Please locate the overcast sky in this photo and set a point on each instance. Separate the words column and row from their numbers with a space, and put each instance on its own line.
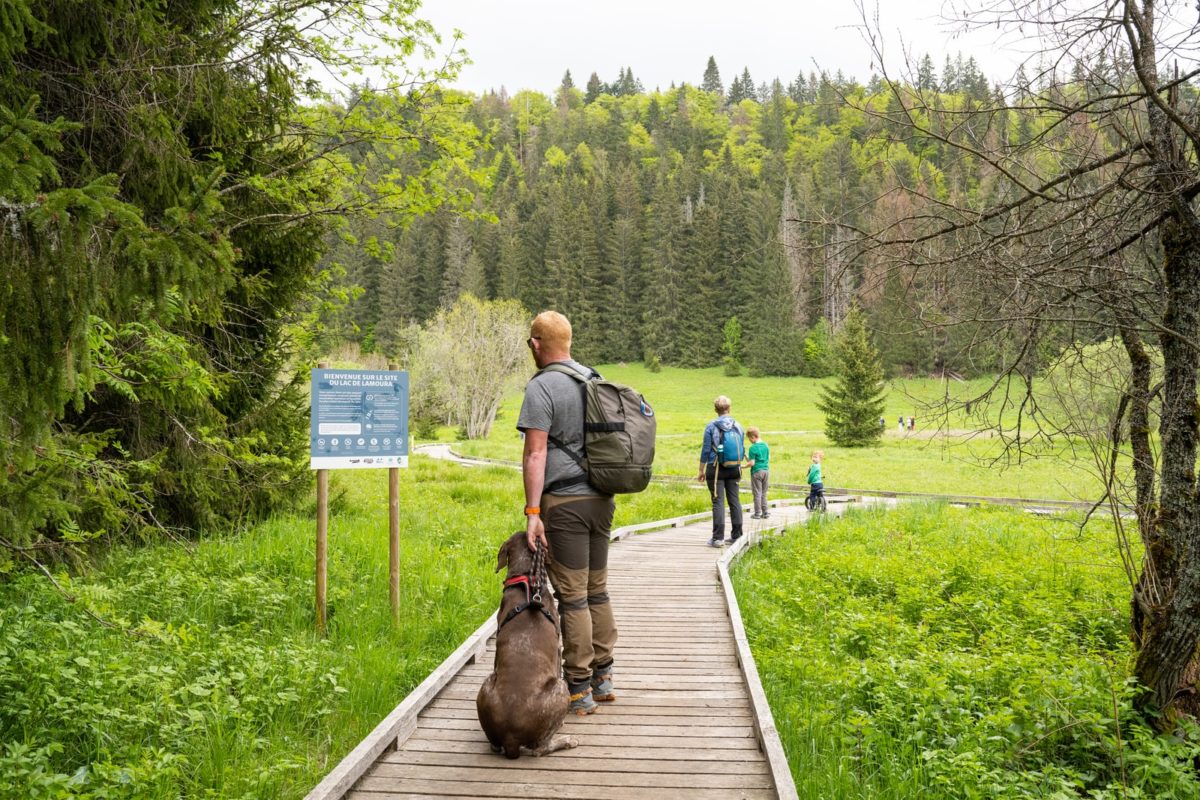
column 528, row 44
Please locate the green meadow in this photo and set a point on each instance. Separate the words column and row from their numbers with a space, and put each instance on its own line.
column 961, row 461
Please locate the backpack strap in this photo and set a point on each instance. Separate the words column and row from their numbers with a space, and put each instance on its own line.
column 558, row 366
column 580, row 458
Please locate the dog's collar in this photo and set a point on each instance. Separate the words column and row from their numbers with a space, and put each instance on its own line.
column 517, row 580
column 529, row 603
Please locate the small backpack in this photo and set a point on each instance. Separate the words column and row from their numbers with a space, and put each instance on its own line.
column 618, row 436
column 729, row 447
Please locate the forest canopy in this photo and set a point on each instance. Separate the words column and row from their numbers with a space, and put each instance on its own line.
column 652, row 218
column 170, row 174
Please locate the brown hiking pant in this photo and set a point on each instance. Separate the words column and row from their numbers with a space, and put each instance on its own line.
column 578, row 533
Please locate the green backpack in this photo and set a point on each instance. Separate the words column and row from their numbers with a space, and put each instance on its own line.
column 618, row 436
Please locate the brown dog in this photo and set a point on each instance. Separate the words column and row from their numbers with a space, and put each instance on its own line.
column 523, row 703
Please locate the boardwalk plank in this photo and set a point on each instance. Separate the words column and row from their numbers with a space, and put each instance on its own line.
column 575, row 777
column 613, row 712
column 597, row 726
column 622, row 752
column 645, row 698
column 600, row 735
column 618, row 709
column 491, row 761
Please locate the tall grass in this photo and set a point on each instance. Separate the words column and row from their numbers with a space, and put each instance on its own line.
column 936, row 652
column 220, row 687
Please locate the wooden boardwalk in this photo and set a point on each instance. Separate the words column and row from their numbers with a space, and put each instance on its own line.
column 689, row 721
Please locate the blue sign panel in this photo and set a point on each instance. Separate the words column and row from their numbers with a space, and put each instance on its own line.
column 359, row 419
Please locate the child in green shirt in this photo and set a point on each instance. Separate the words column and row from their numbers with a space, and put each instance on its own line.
column 757, row 459
column 816, row 484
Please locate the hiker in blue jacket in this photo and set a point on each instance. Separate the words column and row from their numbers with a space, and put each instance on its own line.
column 721, row 466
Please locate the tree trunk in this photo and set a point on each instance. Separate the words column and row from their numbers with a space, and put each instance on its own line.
column 1139, row 425
column 1145, row 592
column 1170, row 629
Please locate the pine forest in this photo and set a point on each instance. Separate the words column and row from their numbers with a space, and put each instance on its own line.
column 652, row 218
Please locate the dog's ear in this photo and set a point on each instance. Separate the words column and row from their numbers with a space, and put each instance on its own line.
column 502, row 555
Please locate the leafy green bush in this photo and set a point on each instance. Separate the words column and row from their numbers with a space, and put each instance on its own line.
column 935, row 652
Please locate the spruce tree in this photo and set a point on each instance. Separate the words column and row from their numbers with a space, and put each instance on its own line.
column 653, row 114
column 772, row 125
column 712, row 78
column 617, row 87
column 595, row 88
column 706, row 289
column 664, row 264
column 950, row 75
column 511, row 272
column 748, row 85
column 624, row 251
column 854, row 404
column 927, row 75
column 798, row 90
column 632, row 85
column 773, row 344
column 737, row 92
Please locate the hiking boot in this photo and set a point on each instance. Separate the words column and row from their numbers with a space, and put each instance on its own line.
column 602, row 685
column 582, row 703
column 716, row 542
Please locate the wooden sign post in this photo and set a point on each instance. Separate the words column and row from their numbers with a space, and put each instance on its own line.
column 394, row 537
column 322, row 537
column 322, row 544
column 359, row 420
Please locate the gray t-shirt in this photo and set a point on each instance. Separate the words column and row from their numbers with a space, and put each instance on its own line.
column 554, row 403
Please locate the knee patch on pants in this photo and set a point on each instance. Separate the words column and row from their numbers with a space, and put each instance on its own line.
column 578, row 604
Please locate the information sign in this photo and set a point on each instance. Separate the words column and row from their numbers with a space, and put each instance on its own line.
column 359, row 419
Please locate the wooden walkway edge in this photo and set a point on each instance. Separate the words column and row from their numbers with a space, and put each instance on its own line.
column 685, row 724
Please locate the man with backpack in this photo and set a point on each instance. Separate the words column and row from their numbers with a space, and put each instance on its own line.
column 562, row 506
column 721, row 466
